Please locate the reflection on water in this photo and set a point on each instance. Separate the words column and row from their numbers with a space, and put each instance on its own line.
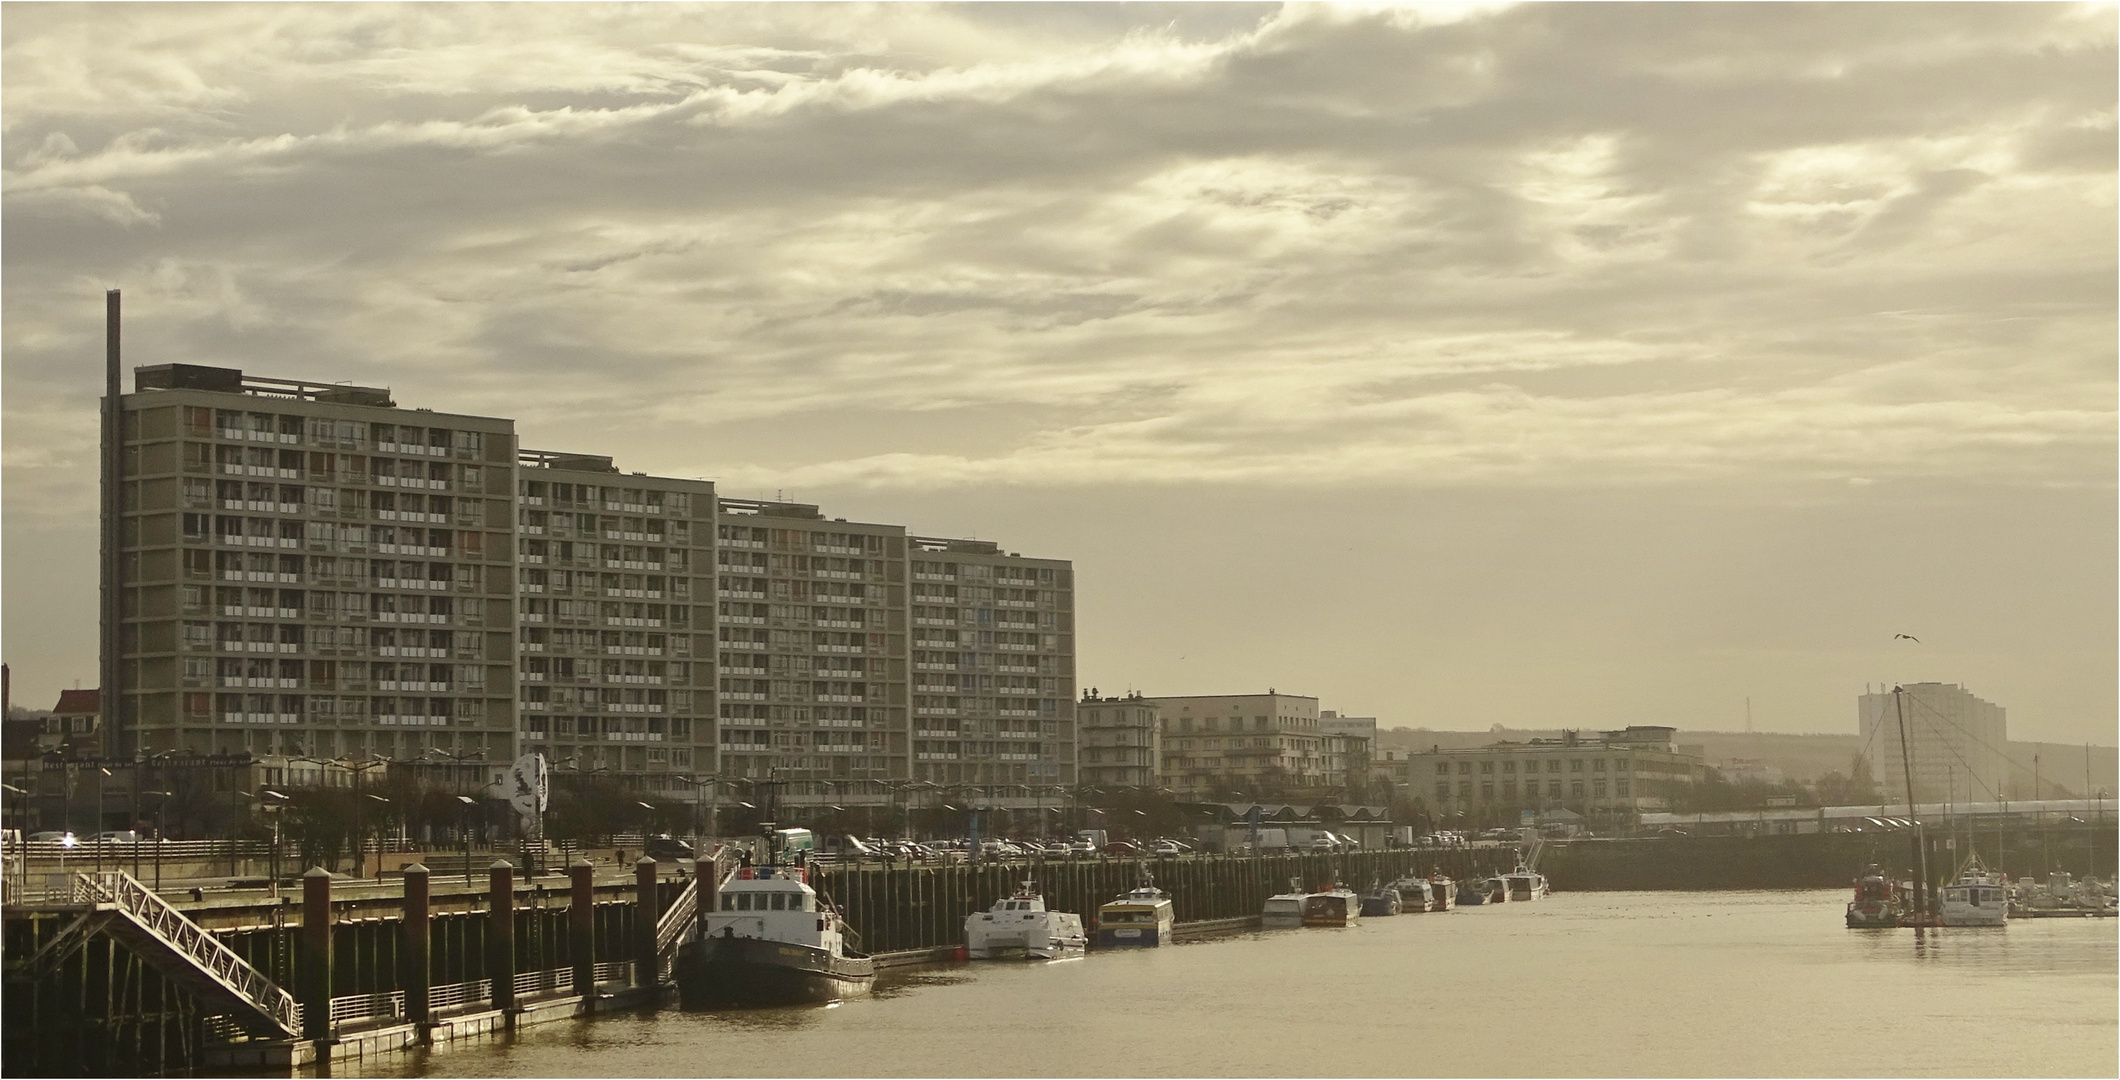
column 1613, row 984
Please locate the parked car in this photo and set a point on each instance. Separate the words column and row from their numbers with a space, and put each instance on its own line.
column 1121, row 847
column 1165, row 847
column 52, row 837
column 118, row 836
column 666, row 848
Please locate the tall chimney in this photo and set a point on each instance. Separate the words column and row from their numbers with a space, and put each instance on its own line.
column 118, row 733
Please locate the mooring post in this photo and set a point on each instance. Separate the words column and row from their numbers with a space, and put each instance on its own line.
column 581, row 929
column 646, row 964
column 500, row 935
column 415, row 972
column 316, row 955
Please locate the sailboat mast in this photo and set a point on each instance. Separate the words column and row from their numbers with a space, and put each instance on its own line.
column 1906, row 765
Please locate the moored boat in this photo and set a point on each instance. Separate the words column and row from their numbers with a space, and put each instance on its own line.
column 1877, row 901
column 1284, row 911
column 1381, row 900
column 1141, row 918
column 1021, row 926
column 1337, row 906
column 1525, row 883
column 1413, row 895
column 1442, row 892
column 1977, row 898
column 770, row 942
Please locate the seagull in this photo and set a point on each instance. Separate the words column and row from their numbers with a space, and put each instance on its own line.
column 1909, row 637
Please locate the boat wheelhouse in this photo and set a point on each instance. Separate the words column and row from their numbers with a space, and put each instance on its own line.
column 1525, row 883
column 1337, row 906
column 1977, row 898
column 1877, row 901
column 1284, row 911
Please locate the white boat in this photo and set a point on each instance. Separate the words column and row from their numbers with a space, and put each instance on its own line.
column 1284, row 911
column 770, row 942
column 1337, row 906
column 1414, row 895
column 1525, row 884
column 1020, row 926
column 1977, row 898
column 1142, row 918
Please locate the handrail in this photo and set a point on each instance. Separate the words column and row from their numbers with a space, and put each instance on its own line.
column 676, row 923
column 167, row 925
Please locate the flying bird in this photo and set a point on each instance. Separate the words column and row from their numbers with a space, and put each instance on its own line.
column 1909, row 637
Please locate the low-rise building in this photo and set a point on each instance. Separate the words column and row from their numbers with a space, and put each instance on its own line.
column 1624, row 772
column 1120, row 742
column 1268, row 745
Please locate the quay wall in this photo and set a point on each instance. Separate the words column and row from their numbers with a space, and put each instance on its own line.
column 900, row 907
column 1819, row 860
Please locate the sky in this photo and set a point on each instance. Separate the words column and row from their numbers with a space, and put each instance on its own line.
column 1462, row 365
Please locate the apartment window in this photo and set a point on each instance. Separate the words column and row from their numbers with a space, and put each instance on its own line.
column 1575, row 764
column 1486, row 766
column 1553, row 765
column 1442, row 768
column 1598, row 765
column 1622, row 785
column 1464, row 768
column 1599, row 789
column 1508, row 766
column 1575, row 788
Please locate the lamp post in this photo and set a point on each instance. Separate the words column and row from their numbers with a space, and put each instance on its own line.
column 463, row 828
column 161, row 803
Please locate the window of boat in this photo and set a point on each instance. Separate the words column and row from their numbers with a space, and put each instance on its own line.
column 743, row 901
column 780, row 901
column 728, row 901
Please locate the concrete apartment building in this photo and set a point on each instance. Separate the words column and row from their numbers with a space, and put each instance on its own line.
column 615, row 626
column 1619, row 772
column 1956, row 742
column 306, row 569
column 1119, row 741
column 1215, row 745
column 994, row 666
column 309, row 570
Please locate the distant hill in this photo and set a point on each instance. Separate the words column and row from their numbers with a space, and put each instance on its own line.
column 1807, row 757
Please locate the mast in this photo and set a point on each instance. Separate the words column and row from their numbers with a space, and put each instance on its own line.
column 1906, row 765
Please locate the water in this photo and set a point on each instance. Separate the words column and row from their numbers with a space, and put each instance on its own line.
column 1589, row 984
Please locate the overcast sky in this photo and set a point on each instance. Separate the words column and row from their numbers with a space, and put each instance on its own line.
column 1573, row 365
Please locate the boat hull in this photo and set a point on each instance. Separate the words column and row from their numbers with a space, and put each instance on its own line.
column 1374, row 907
column 1129, row 937
column 726, row 971
column 1883, row 916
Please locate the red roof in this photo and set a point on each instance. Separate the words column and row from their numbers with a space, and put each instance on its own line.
column 79, row 703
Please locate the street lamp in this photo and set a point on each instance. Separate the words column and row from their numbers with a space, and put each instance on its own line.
column 161, row 804
column 464, row 830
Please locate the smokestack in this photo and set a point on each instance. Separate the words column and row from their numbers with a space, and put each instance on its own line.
column 118, row 732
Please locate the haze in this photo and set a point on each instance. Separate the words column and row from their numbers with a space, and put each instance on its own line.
column 1548, row 366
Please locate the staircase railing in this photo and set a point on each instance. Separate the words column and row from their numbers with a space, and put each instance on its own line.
column 674, row 925
column 188, row 939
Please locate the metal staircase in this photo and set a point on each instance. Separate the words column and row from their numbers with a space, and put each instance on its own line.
column 180, row 949
column 675, row 927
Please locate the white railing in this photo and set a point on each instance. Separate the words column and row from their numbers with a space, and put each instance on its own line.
column 166, row 924
column 672, row 928
column 451, row 995
column 354, row 1008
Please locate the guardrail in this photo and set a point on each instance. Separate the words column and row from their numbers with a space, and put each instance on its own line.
column 355, row 1008
column 454, row 995
column 156, row 918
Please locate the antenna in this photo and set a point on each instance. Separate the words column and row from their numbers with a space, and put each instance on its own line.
column 1748, row 716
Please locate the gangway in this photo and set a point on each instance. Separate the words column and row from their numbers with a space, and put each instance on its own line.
column 182, row 950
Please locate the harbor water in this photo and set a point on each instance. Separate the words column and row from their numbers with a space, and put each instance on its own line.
column 1598, row 984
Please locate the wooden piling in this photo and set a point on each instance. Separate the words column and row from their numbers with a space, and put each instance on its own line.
column 500, row 934
column 415, row 973
column 316, row 955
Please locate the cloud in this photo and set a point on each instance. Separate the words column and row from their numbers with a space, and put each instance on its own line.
column 1302, row 245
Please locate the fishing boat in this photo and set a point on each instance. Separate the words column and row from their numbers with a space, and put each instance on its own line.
column 1381, row 900
column 1284, row 911
column 1525, row 883
column 1495, row 889
column 1141, row 918
column 1337, row 906
column 770, row 942
column 1021, row 926
column 1877, row 901
column 1413, row 894
column 1469, row 894
column 1442, row 892
column 1977, row 898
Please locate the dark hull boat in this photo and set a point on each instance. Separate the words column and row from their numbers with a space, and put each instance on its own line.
column 727, row 970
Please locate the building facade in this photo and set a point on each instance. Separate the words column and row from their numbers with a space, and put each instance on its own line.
column 1218, row 746
column 1619, row 772
column 1955, row 741
column 309, row 570
column 615, row 617
column 1119, row 741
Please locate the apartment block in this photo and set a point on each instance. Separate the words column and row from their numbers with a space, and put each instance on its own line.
column 1955, row 742
column 1219, row 745
column 994, row 665
column 615, row 616
column 1119, row 741
column 307, row 569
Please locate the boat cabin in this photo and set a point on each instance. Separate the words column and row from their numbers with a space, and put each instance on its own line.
column 774, row 903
